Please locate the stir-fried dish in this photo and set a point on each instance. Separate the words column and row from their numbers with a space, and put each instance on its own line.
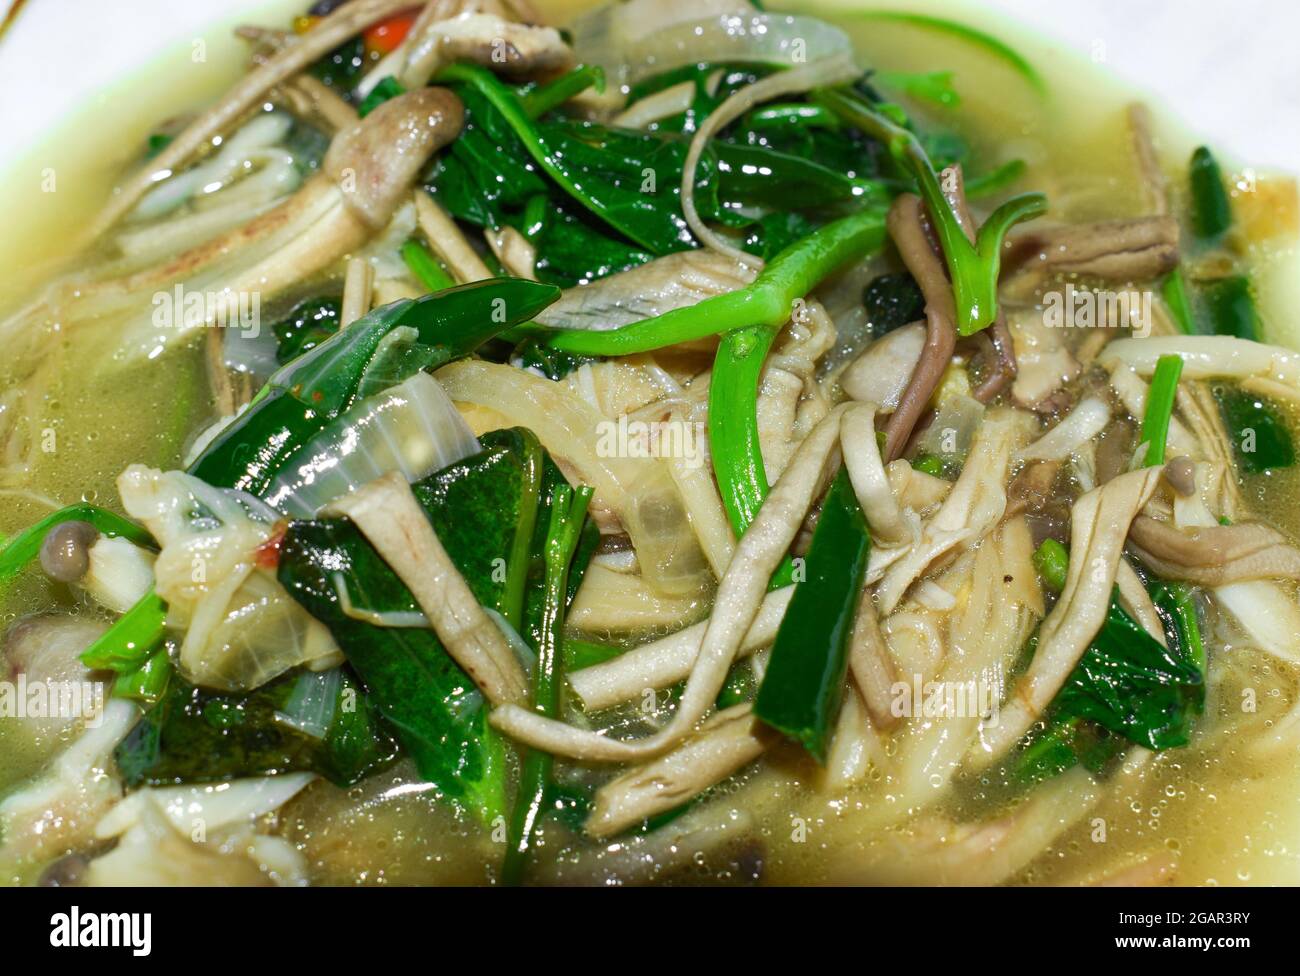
column 696, row 443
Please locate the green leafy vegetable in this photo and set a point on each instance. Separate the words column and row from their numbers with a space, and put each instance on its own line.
column 1127, row 683
column 484, row 510
column 892, row 301
column 194, row 735
column 1259, row 431
column 303, row 396
column 1126, row 687
column 804, row 680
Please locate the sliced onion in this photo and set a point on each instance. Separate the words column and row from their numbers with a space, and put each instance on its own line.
column 412, row 428
column 637, row 489
column 311, row 704
column 637, row 40
column 262, row 131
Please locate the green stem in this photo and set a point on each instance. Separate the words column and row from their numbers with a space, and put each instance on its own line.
column 1160, row 407
column 733, row 423
column 542, row 99
column 1174, row 292
column 798, row 114
column 973, row 268
column 132, row 640
column 512, row 595
column 804, row 682
column 766, row 302
column 568, row 514
column 425, row 267
column 148, row 682
column 26, row 545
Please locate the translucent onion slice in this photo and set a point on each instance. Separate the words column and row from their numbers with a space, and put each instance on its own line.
column 412, row 428
column 619, row 39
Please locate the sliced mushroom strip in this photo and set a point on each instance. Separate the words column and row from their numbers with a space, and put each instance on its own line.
column 358, row 290
column 1044, row 362
column 1120, row 250
column 368, row 173
column 1099, row 525
column 907, row 229
column 447, row 240
column 375, row 161
column 1088, row 419
column 872, row 665
column 516, row 50
column 1214, row 555
column 740, row 594
column 1136, row 601
column 1207, row 357
column 975, row 505
column 867, row 472
column 344, row 22
column 391, row 519
column 664, row 662
column 726, row 743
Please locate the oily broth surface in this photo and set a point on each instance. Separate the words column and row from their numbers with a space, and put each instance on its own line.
column 1230, row 814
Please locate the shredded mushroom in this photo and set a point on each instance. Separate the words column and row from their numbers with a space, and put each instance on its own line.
column 1099, row 524
column 739, row 597
column 388, row 515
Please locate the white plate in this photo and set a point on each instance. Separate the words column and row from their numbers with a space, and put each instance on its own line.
column 1228, row 70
